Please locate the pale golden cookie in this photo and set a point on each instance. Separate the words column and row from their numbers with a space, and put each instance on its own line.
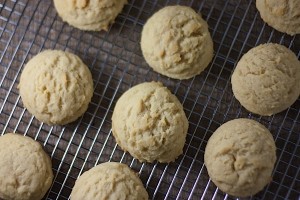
column 109, row 181
column 266, row 80
column 92, row 15
column 283, row 15
column 176, row 42
column 240, row 157
column 25, row 168
column 149, row 122
column 56, row 87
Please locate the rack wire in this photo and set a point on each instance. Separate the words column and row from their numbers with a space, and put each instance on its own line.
column 116, row 62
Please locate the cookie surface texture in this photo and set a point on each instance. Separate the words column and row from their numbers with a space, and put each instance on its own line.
column 240, row 157
column 282, row 15
column 266, row 80
column 109, row 181
column 90, row 15
column 25, row 168
column 176, row 42
column 56, row 87
column 149, row 122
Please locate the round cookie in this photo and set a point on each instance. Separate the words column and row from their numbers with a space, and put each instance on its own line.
column 109, row 180
column 176, row 42
column 283, row 15
column 240, row 157
column 266, row 80
column 91, row 15
column 25, row 168
column 149, row 122
column 56, row 87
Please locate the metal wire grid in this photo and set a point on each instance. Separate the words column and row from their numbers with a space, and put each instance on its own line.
column 27, row 27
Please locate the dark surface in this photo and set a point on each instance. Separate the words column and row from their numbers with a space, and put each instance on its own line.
column 116, row 62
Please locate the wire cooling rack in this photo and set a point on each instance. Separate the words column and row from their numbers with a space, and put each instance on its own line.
column 116, row 62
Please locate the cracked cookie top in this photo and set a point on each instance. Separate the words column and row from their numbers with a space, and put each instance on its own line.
column 25, row 168
column 266, row 80
column 283, row 15
column 149, row 122
column 176, row 42
column 109, row 181
column 240, row 157
column 92, row 15
column 56, row 87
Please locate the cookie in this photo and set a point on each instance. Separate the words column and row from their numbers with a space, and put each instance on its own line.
column 240, row 157
column 56, row 87
column 149, row 122
column 266, row 80
column 109, row 180
column 25, row 168
column 176, row 42
column 90, row 15
column 282, row 15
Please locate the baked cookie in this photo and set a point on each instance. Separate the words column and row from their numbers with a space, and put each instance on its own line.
column 240, row 157
column 90, row 15
column 149, row 122
column 283, row 15
column 25, row 168
column 109, row 181
column 267, row 79
column 56, row 87
column 176, row 42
